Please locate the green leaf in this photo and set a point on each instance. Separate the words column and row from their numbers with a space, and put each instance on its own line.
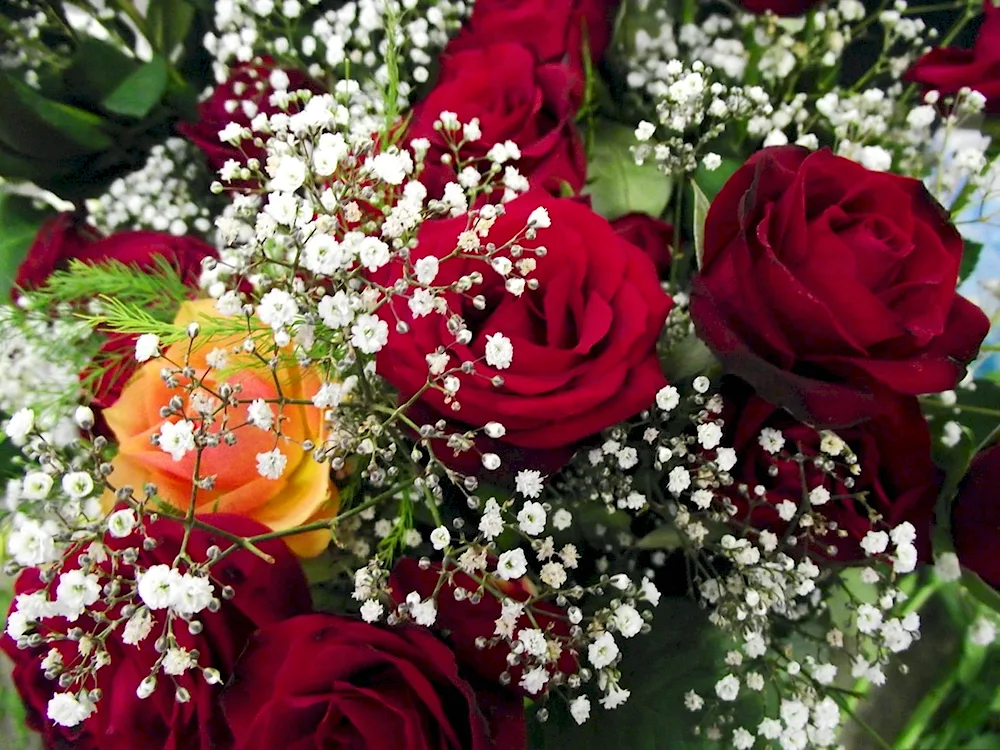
column 981, row 590
column 33, row 126
column 140, row 92
column 701, row 205
column 167, row 23
column 618, row 185
column 677, row 656
column 19, row 223
column 687, row 358
column 97, row 69
column 970, row 256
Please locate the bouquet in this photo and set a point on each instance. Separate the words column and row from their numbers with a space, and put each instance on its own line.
column 486, row 375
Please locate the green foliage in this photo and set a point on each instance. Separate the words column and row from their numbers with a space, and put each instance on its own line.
column 140, row 91
column 19, row 223
column 970, row 257
column 617, row 184
column 168, row 23
column 89, row 121
column 159, row 290
column 677, row 656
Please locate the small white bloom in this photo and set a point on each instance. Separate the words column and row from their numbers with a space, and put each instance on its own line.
column 371, row 610
column 579, row 709
column 159, row 586
column 529, row 483
column 147, row 346
column 271, row 465
column 499, row 351
column 667, row 398
column 177, row 438
column 531, row 519
column 539, row 218
column 603, row 651
column 177, row 661
column 139, row 626
column 771, row 440
column 512, row 564
column 709, row 435
column 68, row 711
column 728, row 688
column 819, row 495
column 562, row 519
column 192, row 595
column 369, row 334
column 37, row 485
column 627, row 620
column 77, row 484
column 533, row 680
column 260, row 414
column 678, row 480
column 121, row 523
column 440, row 538
column 75, row 592
column 875, row 542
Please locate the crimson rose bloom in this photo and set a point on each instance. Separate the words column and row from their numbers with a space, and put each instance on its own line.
column 265, row 594
column 894, row 455
column 976, row 517
column 67, row 237
column 653, row 236
column 779, row 7
column 948, row 69
column 531, row 104
column 554, row 30
column 249, row 84
column 584, row 341
column 464, row 621
column 326, row 681
column 825, row 284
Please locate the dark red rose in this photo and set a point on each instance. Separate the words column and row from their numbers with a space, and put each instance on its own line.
column 825, row 285
column 60, row 239
column 649, row 234
column 464, row 621
column 584, row 341
column 976, row 517
column 554, row 30
column 326, row 681
column 949, row 69
column 531, row 104
column 893, row 452
column 779, row 7
column 265, row 594
column 245, row 94
column 68, row 237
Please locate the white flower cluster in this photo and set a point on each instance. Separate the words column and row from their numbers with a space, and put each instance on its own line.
column 538, row 649
column 40, row 364
column 102, row 599
column 693, row 110
column 167, row 194
column 348, row 39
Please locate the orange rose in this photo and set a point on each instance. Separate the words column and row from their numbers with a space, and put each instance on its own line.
column 302, row 494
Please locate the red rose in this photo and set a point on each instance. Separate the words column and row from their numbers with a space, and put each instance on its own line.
column 327, row 681
column 584, row 341
column 465, row 621
column 893, row 452
column 264, row 594
column 949, row 69
column 976, row 517
column 649, row 234
column 779, row 7
column 530, row 104
column 68, row 237
column 554, row 30
column 824, row 284
column 245, row 94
